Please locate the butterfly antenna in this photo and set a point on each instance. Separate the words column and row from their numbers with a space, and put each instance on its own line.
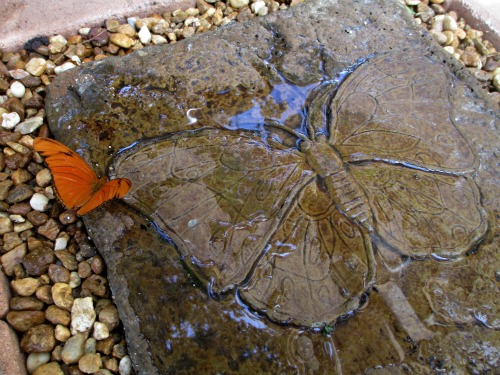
column 278, row 125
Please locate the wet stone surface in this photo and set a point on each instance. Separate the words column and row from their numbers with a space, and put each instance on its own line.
column 365, row 246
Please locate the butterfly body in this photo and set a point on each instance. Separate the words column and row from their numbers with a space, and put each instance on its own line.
column 76, row 184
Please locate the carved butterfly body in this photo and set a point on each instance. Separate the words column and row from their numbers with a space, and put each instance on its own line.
column 293, row 228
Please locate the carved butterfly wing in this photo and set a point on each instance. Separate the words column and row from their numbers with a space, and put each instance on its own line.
column 391, row 121
column 396, row 108
column 220, row 195
column 317, row 267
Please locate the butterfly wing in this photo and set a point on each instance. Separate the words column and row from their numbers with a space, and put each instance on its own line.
column 77, row 185
column 116, row 188
column 220, row 195
column 317, row 267
column 423, row 214
column 74, row 180
column 396, row 108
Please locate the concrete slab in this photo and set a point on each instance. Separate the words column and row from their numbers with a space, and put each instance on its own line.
column 21, row 20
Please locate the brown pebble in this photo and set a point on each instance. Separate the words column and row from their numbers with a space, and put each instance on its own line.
column 119, row 351
column 105, row 346
column 68, row 217
column 22, row 208
column 74, row 370
column 44, row 294
column 50, row 229
column 13, row 105
column 36, row 102
column 56, row 315
column 20, row 176
column 37, row 261
column 109, row 316
column 25, row 286
column 58, row 274
column 98, row 36
column 37, row 218
column 25, row 303
column 11, row 240
column 38, row 339
column 21, row 321
column 31, row 81
column 97, row 265
column 84, row 270
column 4, row 188
column 96, row 284
column 19, row 193
column 51, row 368
column 67, row 259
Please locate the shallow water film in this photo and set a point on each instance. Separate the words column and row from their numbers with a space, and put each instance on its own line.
column 349, row 222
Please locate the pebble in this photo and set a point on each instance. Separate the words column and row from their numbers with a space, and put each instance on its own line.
column 496, row 81
column 101, row 331
column 125, row 366
column 144, row 35
column 29, row 125
column 18, row 73
column 25, row 303
column 5, row 225
column 17, row 89
column 82, row 315
column 21, row 321
column 39, row 202
column 38, row 339
column 35, row 360
column 121, row 40
column 58, row 274
column 57, row 43
column 62, row 296
column 109, row 316
column 44, row 294
column 36, row 66
column 73, row 349
column 62, row 68
column 50, row 229
column 90, row 363
column 67, row 259
column 74, row 280
column 57, row 315
column 51, row 368
column 62, row 333
column 25, row 287
column 37, row 261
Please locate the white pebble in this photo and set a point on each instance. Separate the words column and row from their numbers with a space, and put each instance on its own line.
column 9, row 120
column 257, row 6
column 62, row 333
column 125, row 366
column 17, row 218
column 82, row 315
column 62, row 68
column 39, row 202
column 84, row 31
column 17, row 89
column 29, row 125
column 144, row 35
column 35, row 360
column 76, row 60
column 101, row 331
column 60, row 243
column 238, row 3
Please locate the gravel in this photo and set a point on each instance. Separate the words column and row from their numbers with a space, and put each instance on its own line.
column 55, row 294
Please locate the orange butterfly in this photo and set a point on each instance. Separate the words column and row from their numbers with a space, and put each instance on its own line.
column 76, row 184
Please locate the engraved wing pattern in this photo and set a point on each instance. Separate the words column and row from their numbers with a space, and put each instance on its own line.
column 284, row 224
